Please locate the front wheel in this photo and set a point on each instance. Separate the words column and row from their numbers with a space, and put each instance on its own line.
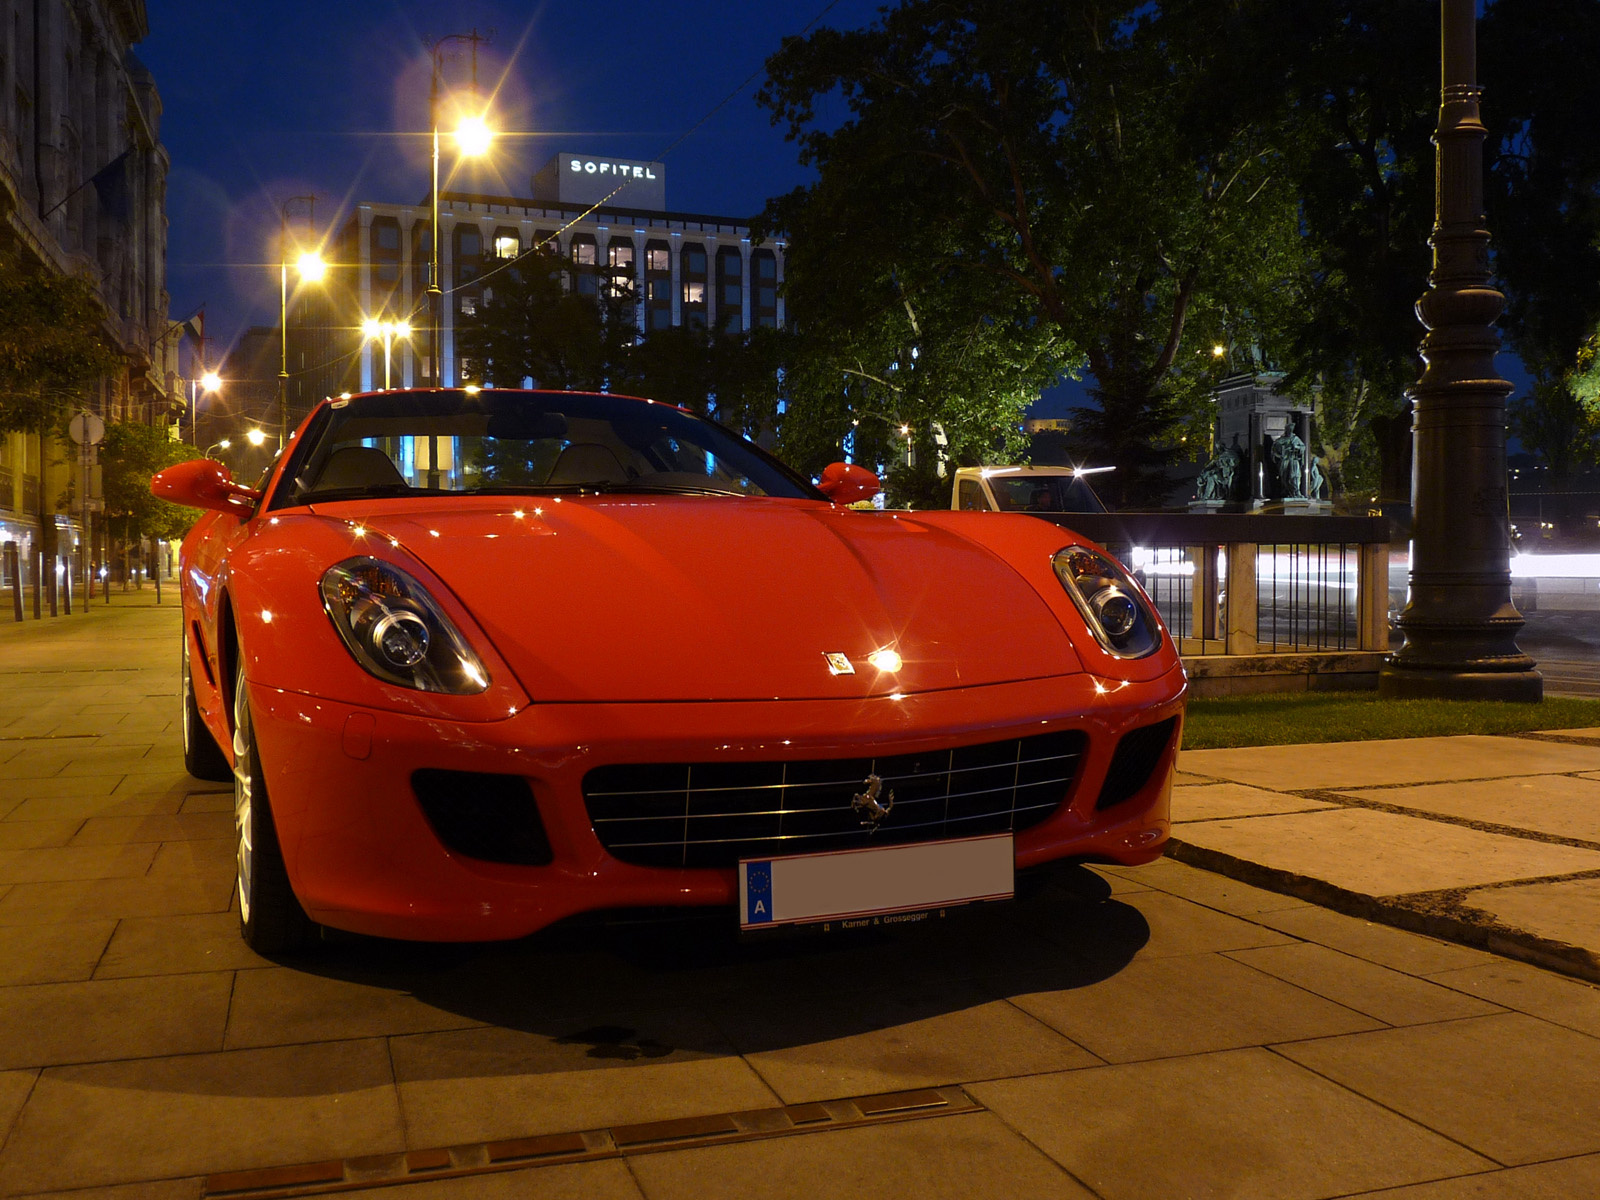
column 270, row 918
column 202, row 757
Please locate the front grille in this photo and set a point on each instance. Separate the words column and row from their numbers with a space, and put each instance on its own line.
column 714, row 814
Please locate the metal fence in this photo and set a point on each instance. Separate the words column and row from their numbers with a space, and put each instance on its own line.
column 1234, row 583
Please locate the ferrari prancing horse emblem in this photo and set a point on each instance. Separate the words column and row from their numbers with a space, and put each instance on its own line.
column 868, row 805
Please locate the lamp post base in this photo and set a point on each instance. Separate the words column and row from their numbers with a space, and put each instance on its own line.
column 1523, row 686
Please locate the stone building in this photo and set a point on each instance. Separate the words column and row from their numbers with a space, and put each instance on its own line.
column 83, row 191
column 683, row 268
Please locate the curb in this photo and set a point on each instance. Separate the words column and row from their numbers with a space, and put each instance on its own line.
column 1439, row 915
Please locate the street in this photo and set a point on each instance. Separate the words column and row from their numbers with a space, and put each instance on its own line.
column 1124, row 1033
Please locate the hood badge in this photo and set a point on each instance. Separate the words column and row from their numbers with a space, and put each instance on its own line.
column 839, row 664
column 872, row 810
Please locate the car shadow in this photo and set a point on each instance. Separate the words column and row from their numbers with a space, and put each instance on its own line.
column 636, row 987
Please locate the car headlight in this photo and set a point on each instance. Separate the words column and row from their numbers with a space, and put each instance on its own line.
column 397, row 631
column 1111, row 603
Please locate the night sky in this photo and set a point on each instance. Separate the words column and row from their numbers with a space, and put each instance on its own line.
column 267, row 101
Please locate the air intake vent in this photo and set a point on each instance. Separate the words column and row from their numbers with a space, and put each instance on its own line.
column 714, row 814
column 1137, row 755
column 488, row 817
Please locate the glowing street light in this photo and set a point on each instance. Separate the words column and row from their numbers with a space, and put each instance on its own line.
column 374, row 329
column 472, row 139
column 311, row 269
column 255, row 437
column 473, row 136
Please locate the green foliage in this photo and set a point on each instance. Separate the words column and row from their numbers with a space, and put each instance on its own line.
column 1287, row 719
column 1051, row 172
column 52, row 346
column 129, row 456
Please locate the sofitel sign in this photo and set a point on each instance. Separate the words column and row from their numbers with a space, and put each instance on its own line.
column 618, row 170
column 571, row 178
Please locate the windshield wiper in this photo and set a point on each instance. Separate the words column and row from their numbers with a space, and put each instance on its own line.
column 359, row 491
column 662, row 489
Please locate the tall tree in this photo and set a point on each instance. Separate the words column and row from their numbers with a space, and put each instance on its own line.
column 1543, row 191
column 1049, row 147
column 53, row 348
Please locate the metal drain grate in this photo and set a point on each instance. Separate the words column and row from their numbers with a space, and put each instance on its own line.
column 590, row 1145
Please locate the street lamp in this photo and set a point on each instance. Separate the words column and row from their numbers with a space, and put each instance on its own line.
column 472, row 140
column 311, row 268
column 209, row 382
column 255, row 437
column 222, row 445
column 1459, row 622
column 388, row 331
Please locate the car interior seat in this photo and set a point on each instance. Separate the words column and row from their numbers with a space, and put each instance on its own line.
column 359, row 466
column 587, row 462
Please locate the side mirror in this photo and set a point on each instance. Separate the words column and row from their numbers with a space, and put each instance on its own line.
column 845, row 483
column 204, row 483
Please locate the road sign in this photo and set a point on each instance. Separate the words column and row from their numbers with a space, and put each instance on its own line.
column 87, row 428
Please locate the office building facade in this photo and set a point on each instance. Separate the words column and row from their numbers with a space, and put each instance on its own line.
column 606, row 217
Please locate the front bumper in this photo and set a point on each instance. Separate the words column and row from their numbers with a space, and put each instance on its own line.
column 362, row 857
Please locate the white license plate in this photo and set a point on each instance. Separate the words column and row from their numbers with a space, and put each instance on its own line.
column 846, row 885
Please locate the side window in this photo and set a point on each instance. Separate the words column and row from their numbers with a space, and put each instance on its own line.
column 971, row 496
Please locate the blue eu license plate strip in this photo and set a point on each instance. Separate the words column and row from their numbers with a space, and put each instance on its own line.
column 851, row 884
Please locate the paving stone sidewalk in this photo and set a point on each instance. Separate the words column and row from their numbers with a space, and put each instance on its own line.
column 1490, row 841
column 1135, row 1033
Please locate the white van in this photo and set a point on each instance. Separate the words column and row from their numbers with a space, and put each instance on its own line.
column 1026, row 489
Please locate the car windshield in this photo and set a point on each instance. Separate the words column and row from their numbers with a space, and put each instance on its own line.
column 1044, row 493
column 513, row 443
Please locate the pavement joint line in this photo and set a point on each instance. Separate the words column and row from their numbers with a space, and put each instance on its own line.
column 1556, row 737
column 588, row 1145
column 1399, row 810
column 1434, row 914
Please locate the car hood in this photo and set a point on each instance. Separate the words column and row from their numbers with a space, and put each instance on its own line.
column 687, row 598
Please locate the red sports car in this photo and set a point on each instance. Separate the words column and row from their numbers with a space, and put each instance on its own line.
column 478, row 660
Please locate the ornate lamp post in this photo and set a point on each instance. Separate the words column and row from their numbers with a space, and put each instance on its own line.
column 311, row 268
column 472, row 139
column 1460, row 625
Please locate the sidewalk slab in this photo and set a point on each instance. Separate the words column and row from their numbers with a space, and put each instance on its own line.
column 1213, row 801
column 1343, row 765
column 1560, row 805
column 1510, row 1086
column 157, row 1118
column 1566, row 912
column 1238, row 1123
column 947, row 1158
column 1381, row 854
column 51, row 1023
column 1386, row 995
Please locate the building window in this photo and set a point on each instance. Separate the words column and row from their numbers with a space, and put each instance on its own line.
column 658, row 258
column 764, row 300
column 388, row 272
column 659, row 290
column 545, row 241
column 507, row 245
column 694, row 293
column 469, row 242
column 694, row 260
column 469, row 306
column 387, row 236
column 660, row 318
column 583, row 252
column 620, row 253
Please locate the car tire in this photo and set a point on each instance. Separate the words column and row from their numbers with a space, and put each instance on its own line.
column 270, row 917
column 202, row 757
